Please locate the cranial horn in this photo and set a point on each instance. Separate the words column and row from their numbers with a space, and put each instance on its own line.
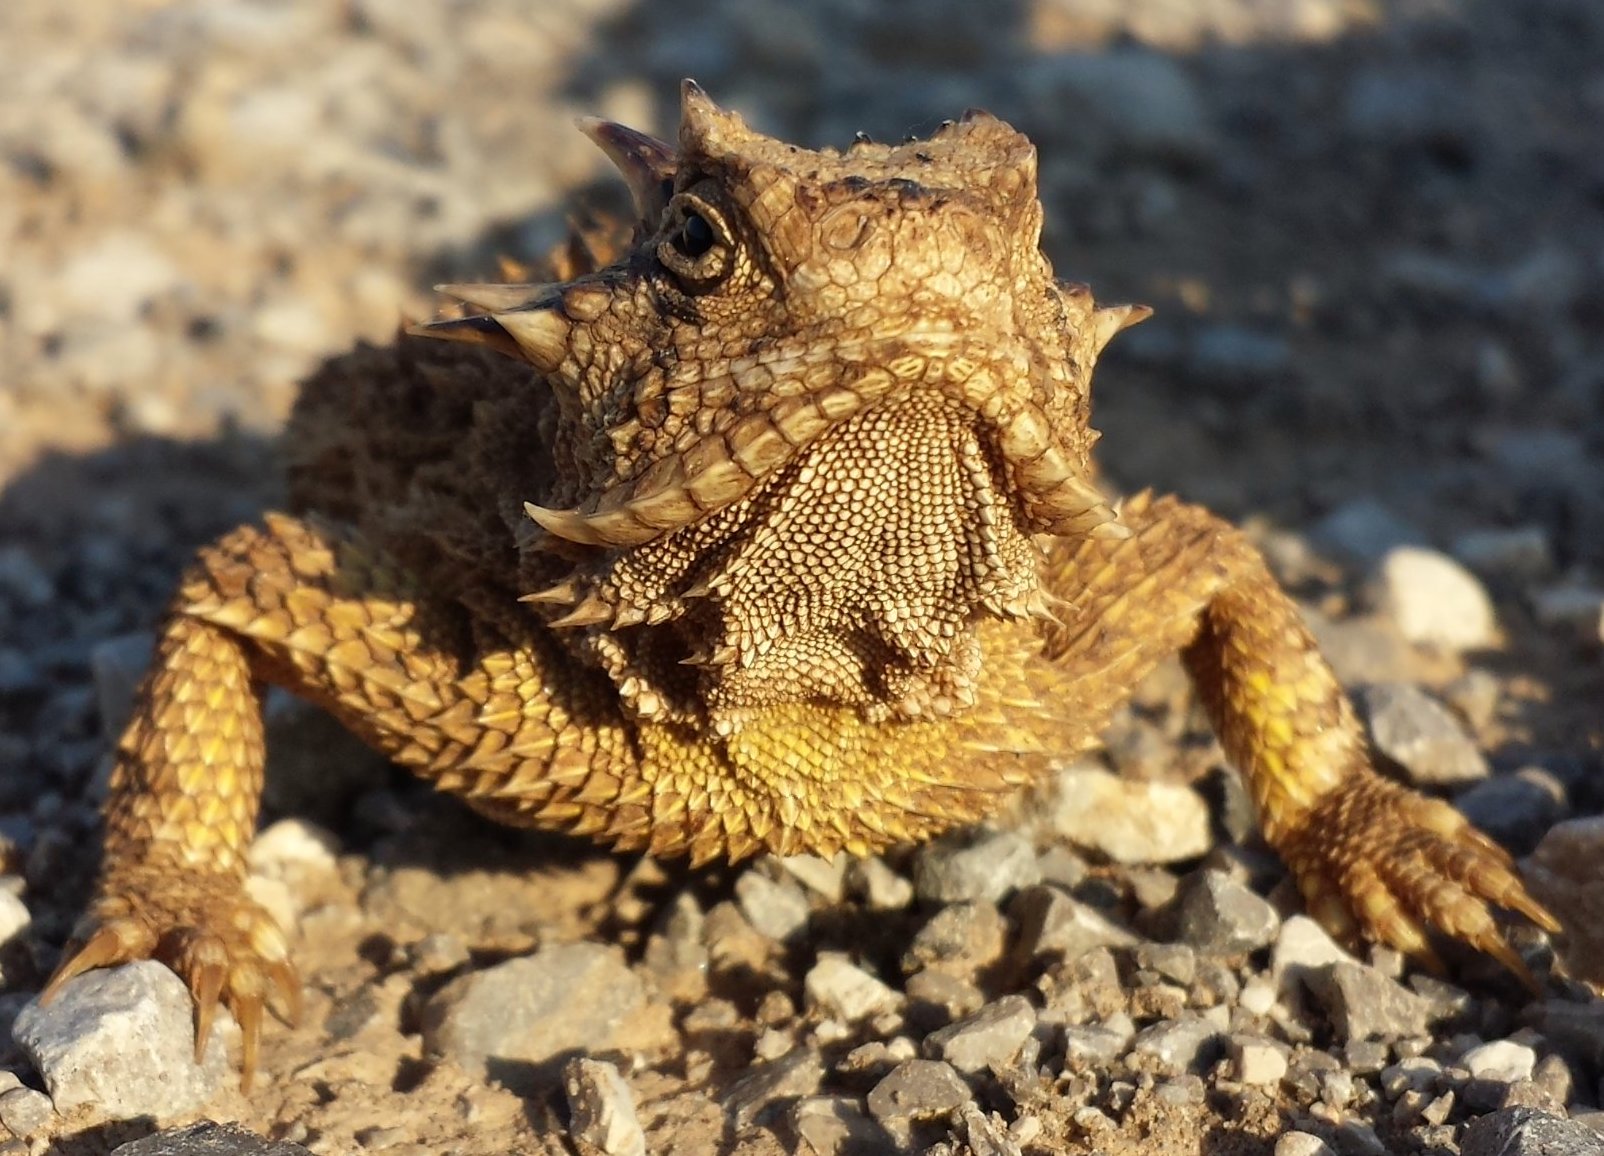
column 534, row 331
column 479, row 330
column 494, row 295
column 1110, row 319
column 646, row 163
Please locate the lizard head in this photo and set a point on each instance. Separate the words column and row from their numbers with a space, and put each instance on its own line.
column 864, row 348
column 776, row 291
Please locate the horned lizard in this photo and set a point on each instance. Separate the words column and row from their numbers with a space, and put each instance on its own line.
column 777, row 532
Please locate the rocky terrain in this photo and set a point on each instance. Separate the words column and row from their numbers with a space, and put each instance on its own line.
column 1374, row 234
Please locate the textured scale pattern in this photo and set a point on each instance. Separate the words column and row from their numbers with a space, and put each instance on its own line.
column 776, row 531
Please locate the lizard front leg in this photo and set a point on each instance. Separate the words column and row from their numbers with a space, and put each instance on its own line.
column 1370, row 856
column 313, row 610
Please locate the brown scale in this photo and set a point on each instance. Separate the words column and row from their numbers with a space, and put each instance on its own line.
column 776, row 533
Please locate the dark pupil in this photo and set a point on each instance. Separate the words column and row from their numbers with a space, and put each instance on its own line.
column 695, row 235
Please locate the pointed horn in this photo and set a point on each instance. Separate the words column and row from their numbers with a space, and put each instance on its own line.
column 1110, row 319
column 540, row 336
column 470, row 331
column 493, row 296
column 646, row 163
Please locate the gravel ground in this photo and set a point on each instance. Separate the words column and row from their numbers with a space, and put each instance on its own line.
column 1374, row 233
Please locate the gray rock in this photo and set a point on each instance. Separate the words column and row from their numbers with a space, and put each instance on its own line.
column 1518, row 554
column 918, row 1090
column 1144, row 101
column 1365, row 530
column 1402, row 106
column 1303, row 946
column 836, row 1126
column 988, row 1039
column 208, row 1139
column 117, row 665
column 795, row 1074
column 1130, row 822
column 1217, row 915
column 962, row 938
column 1052, row 923
column 1418, row 733
column 986, row 1135
column 881, row 887
column 1237, row 354
column 512, row 1021
column 776, row 907
column 25, row 1112
column 843, row 990
column 1577, row 609
column 1435, row 600
column 1179, row 1045
column 1525, row 1132
column 1515, row 809
column 1095, row 1046
column 1364, row 1004
column 601, row 1111
column 1302, row 1144
column 975, row 865
column 123, row 1039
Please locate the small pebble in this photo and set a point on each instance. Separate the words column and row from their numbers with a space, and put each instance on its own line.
column 778, row 908
column 794, row 1075
column 1362, row 1003
column 1130, row 822
column 25, row 1111
column 209, row 1139
column 1218, row 915
column 1502, row 1060
column 989, row 1038
column 918, row 1090
column 601, row 1110
column 842, row 989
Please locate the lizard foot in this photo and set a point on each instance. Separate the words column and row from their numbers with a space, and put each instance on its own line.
column 224, row 945
column 1375, row 859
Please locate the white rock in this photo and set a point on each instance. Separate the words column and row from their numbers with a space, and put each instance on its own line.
column 1502, row 1060
column 1436, row 601
column 843, row 989
column 1130, row 822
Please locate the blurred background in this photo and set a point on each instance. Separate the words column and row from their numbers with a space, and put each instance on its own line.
column 1373, row 231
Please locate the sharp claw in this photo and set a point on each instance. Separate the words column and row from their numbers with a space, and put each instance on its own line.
column 286, row 985
column 104, row 948
column 248, row 1012
column 207, row 986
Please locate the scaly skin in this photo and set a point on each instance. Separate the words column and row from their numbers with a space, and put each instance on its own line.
column 820, row 564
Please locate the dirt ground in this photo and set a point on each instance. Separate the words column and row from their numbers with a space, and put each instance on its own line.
column 1373, row 232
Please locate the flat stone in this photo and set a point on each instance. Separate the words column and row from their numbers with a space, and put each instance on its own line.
column 961, row 938
column 1054, row 923
column 1130, row 822
column 918, row 1090
column 989, row 1038
column 511, row 1021
column 1525, row 1132
column 209, row 1139
column 1436, row 601
column 1217, row 915
column 837, row 1126
column 1364, row 1004
column 1178, row 1045
column 795, row 1074
column 843, row 990
column 601, row 1110
column 1302, row 1144
column 123, row 1040
column 1418, row 733
column 974, row 865
column 1095, row 1046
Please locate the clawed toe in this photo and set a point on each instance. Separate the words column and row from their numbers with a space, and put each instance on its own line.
column 242, row 965
column 1394, row 866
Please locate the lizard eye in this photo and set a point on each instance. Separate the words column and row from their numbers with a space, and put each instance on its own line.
column 695, row 236
column 696, row 247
